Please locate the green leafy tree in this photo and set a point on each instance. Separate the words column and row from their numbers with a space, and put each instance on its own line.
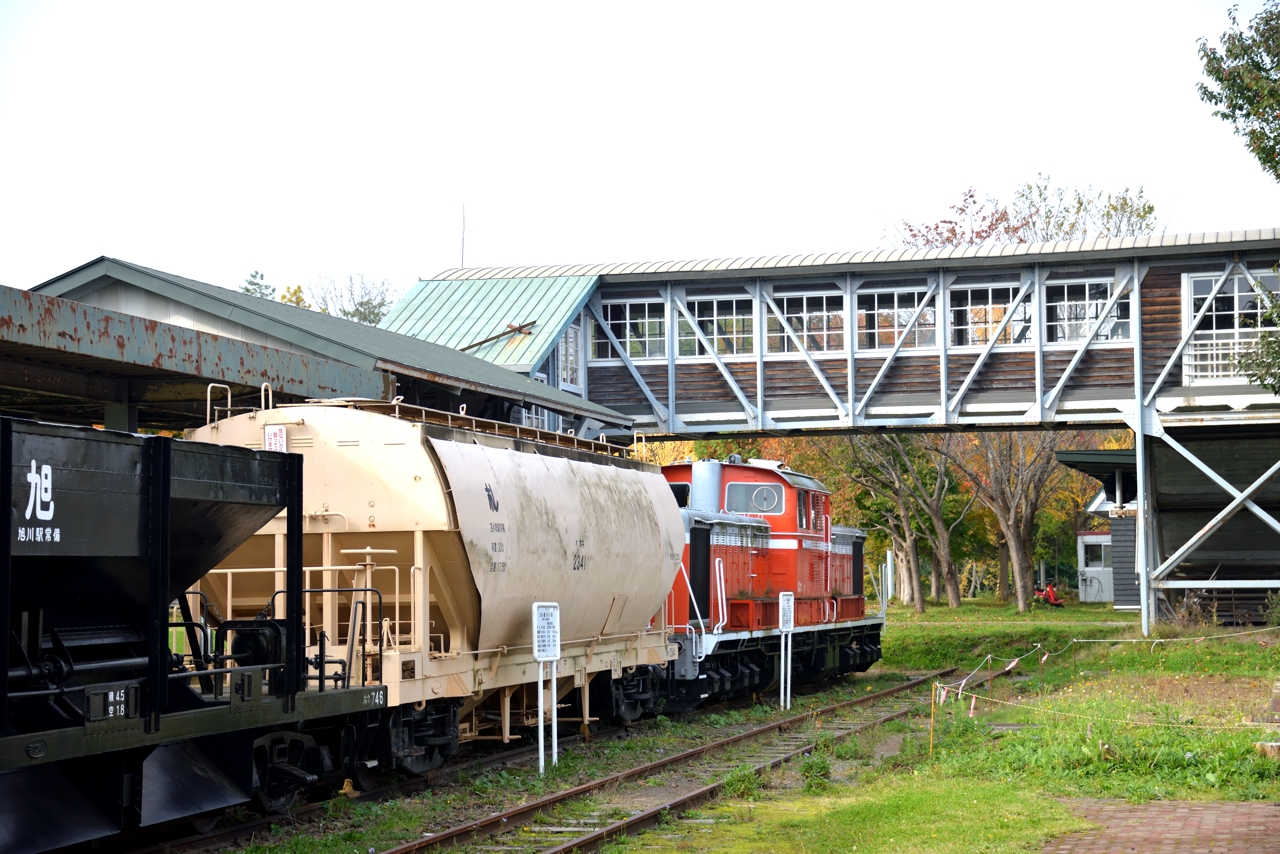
column 256, row 286
column 1260, row 362
column 1244, row 83
column 293, row 296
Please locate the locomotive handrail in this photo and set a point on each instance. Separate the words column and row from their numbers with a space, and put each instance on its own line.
column 722, row 600
column 702, row 652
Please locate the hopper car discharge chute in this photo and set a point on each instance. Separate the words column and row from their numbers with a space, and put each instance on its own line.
column 125, row 703
column 427, row 536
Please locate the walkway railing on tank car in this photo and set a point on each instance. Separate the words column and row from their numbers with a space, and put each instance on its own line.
column 359, row 623
column 357, row 632
column 460, row 420
column 402, row 625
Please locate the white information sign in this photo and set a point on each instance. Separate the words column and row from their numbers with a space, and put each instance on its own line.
column 274, row 439
column 787, row 612
column 786, row 625
column 546, row 631
column 546, row 647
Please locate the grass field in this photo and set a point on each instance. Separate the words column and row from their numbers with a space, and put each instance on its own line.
column 1113, row 718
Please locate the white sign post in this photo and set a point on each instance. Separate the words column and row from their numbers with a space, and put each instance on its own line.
column 546, row 647
column 786, row 624
column 889, row 578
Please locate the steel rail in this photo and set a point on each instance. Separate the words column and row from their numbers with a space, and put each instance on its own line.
column 507, row 820
column 220, row 837
column 656, row 815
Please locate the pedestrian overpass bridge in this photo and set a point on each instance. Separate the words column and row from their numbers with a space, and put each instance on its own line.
column 1136, row 332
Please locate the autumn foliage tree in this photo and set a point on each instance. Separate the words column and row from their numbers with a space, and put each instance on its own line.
column 1014, row 474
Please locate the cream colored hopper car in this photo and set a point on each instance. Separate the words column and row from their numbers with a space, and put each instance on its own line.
column 460, row 524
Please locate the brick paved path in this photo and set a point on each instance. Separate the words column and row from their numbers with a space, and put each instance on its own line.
column 1173, row 827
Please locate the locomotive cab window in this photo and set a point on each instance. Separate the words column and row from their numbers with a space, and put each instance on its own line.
column 681, row 492
column 802, row 509
column 758, row 498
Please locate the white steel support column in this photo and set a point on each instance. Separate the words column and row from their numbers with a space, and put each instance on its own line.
column 1036, row 413
column 762, row 342
column 1141, row 521
column 942, row 329
column 851, row 337
column 673, row 341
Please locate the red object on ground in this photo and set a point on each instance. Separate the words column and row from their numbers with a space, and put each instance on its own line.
column 1049, row 596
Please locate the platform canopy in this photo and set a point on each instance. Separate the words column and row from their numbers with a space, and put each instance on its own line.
column 154, row 340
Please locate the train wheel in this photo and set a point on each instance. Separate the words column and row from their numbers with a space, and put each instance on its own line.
column 279, row 805
column 206, row 822
column 366, row 779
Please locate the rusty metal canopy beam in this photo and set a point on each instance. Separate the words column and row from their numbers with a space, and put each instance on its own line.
column 59, row 357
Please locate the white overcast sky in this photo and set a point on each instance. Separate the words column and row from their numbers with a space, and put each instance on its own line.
column 214, row 139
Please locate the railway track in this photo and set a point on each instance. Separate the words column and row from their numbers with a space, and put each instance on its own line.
column 533, row 826
column 244, row 831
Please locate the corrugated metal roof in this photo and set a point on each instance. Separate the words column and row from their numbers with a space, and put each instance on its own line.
column 334, row 337
column 458, row 312
column 1153, row 244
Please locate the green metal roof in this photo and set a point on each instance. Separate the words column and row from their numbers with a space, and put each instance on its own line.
column 1100, row 465
column 459, row 312
column 332, row 337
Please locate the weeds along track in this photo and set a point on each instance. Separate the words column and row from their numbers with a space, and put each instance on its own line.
column 617, row 804
column 673, row 784
column 243, row 832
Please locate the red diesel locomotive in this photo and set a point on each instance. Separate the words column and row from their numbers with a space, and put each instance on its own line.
column 753, row 530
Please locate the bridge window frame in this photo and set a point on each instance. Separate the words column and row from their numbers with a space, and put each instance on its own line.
column 727, row 322
column 1072, row 306
column 880, row 315
column 976, row 310
column 639, row 325
column 1231, row 324
column 816, row 318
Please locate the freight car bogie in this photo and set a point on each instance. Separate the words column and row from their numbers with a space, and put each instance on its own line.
column 412, row 738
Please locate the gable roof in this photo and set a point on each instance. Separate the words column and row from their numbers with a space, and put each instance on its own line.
column 332, row 337
column 459, row 312
column 877, row 260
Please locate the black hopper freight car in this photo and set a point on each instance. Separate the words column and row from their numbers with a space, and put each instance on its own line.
column 115, row 711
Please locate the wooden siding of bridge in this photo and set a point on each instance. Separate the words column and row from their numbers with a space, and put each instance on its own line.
column 916, row 374
column 1162, row 322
